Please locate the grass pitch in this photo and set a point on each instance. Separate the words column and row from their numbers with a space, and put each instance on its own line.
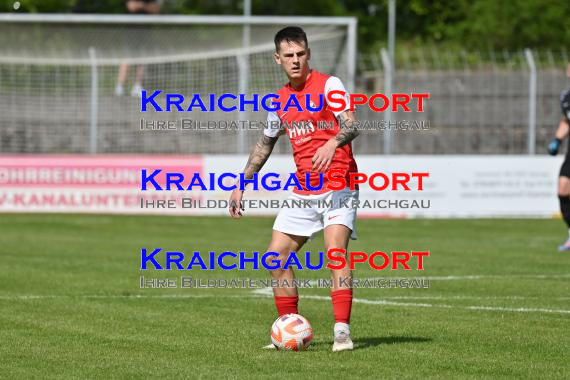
column 498, row 305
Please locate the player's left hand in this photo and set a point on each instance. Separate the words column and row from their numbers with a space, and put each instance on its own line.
column 323, row 156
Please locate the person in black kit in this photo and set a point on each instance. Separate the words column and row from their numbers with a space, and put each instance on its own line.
column 564, row 178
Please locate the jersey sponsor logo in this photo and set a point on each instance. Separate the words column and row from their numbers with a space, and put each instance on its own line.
column 301, row 128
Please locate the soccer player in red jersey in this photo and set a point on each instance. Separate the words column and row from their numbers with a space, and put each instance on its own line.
column 315, row 151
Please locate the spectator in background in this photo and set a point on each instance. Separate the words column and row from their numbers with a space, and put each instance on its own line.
column 136, row 7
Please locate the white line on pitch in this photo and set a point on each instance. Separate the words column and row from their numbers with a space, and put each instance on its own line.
column 268, row 292
column 483, row 308
column 464, row 297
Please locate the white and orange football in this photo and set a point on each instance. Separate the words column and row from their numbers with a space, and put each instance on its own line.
column 291, row 332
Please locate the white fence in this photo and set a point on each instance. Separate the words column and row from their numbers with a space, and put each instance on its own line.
column 494, row 102
column 58, row 75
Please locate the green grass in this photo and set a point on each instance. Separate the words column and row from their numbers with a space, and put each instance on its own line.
column 71, row 306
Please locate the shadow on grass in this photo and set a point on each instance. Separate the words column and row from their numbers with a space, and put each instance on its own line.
column 360, row 343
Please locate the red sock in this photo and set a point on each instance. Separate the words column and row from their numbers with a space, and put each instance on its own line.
column 287, row 304
column 342, row 305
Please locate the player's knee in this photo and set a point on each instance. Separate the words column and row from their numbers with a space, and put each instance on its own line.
column 336, row 243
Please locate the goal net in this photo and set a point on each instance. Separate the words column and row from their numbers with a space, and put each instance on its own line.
column 59, row 73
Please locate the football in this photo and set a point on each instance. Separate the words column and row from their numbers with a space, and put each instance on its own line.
column 291, row 332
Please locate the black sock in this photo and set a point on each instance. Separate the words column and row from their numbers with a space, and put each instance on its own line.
column 565, row 208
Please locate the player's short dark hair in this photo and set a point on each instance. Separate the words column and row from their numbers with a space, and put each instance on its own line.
column 290, row 34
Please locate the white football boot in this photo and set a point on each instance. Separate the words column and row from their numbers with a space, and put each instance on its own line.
column 342, row 341
column 270, row 346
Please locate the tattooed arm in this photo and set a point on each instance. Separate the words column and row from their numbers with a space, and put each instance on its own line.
column 257, row 159
column 259, row 155
column 348, row 132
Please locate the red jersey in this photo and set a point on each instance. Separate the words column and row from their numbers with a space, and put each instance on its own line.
column 315, row 131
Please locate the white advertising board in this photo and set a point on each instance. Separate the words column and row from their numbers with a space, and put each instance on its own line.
column 457, row 186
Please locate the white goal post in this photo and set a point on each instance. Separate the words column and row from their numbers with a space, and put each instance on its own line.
column 58, row 74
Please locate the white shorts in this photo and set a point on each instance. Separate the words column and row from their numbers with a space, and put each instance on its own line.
column 307, row 221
